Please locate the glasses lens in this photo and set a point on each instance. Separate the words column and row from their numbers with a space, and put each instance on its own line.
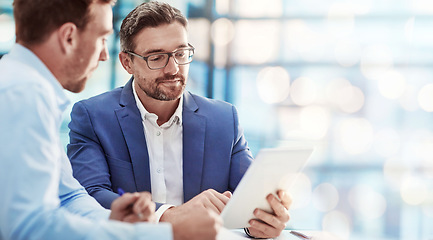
column 184, row 56
column 157, row 60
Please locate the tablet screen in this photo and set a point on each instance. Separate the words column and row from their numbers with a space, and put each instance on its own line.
column 271, row 170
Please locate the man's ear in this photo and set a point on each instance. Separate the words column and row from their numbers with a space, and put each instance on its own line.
column 126, row 62
column 67, row 36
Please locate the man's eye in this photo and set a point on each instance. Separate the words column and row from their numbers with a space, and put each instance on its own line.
column 181, row 54
column 156, row 58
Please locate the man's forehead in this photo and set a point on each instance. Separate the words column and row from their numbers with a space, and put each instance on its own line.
column 167, row 37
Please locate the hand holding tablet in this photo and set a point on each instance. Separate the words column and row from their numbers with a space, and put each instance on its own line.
column 273, row 169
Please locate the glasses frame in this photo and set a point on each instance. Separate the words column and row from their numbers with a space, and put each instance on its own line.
column 169, row 54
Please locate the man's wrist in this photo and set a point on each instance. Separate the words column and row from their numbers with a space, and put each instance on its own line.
column 161, row 211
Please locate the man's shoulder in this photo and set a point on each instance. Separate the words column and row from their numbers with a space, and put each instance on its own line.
column 15, row 72
column 106, row 98
column 210, row 108
column 19, row 77
column 209, row 102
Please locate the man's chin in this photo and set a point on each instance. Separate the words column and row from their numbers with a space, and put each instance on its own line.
column 77, row 86
column 170, row 92
column 164, row 96
column 169, row 97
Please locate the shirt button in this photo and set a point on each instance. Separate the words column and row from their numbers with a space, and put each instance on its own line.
column 158, row 133
column 158, row 170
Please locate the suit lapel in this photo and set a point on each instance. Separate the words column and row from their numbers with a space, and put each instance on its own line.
column 132, row 128
column 194, row 126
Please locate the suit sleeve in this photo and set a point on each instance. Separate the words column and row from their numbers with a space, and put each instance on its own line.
column 241, row 154
column 87, row 158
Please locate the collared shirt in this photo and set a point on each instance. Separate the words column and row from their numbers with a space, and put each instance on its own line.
column 39, row 197
column 164, row 144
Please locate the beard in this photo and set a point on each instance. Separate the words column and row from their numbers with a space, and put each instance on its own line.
column 155, row 90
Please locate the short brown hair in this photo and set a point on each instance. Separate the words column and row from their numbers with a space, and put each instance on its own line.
column 36, row 19
column 148, row 14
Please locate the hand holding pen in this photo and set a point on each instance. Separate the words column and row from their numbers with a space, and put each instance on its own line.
column 133, row 207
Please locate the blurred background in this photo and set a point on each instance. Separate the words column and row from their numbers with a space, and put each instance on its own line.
column 352, row 77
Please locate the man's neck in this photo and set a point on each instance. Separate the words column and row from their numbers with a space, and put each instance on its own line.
column 47, row 53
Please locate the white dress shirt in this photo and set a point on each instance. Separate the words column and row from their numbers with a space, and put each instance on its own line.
column 164, row 145
column 40, row 199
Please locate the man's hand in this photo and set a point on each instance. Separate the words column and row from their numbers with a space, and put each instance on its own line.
column 269, row 225
column 209, row 199
column 133, row 207
column 199, row 217
column 199, row 224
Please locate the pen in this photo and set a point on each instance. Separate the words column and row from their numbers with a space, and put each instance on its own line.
column 120, row 191
column 300, row 235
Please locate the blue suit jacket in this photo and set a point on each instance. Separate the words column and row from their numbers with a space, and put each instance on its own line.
column 108, row 148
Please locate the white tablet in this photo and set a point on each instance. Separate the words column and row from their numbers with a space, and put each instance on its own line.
column 271, row 170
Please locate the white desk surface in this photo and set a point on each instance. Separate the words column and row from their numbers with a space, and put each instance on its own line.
column 239, row 234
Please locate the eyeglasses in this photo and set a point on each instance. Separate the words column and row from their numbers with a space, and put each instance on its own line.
column 160, row 60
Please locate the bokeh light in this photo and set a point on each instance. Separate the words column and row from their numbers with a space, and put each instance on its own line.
column 392, row 84
column 413, row 190
column 315, row 121
column 343, row 95
column 335, row 88
column 425, row 98
column 273, row 84
column 325, row 197
column 352, row 99
column 252, row 48
column 222, row 31
column 303, row 91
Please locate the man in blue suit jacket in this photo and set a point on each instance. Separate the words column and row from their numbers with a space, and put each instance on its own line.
column 152, row 135
column 108, row 146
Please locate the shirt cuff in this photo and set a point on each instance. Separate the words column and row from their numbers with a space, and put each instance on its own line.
column 161, row 210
